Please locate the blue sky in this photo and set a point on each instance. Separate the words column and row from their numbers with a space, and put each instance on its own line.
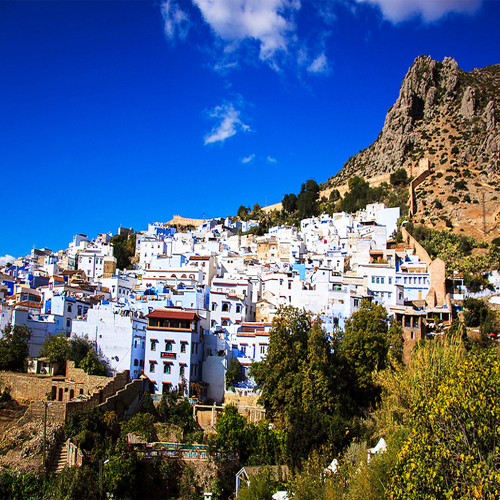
column 123, row 113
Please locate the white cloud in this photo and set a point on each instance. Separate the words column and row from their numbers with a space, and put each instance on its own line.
column 430, row 10
column 6, row 259
column 268, row 22
column 229, row 123
column 319, row 65
column 248, row 159
column 272, row 160
column 175, row 21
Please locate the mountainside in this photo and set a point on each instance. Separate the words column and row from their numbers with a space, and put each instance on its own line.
column 452, row 119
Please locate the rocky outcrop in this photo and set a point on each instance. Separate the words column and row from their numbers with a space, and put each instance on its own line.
column 440, row 109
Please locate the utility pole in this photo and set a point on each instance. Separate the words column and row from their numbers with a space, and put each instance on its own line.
column 44, row 432
column 484, row 216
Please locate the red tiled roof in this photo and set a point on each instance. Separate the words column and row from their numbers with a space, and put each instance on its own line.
column 172, row 314
column 25, row 303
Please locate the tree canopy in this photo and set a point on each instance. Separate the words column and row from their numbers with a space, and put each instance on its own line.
column 14, row 347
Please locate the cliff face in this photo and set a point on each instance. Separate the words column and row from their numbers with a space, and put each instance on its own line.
column 452, row 119
column 438, row 105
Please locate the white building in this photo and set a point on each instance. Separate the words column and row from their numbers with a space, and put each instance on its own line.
column 174, row 350
column 119, row 336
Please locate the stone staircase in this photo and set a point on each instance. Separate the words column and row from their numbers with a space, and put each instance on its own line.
column 60, row 458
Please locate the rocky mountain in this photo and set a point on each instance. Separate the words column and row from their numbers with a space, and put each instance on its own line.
column 450, row 118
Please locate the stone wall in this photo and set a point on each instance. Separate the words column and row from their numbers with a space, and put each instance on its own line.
column 419, row 249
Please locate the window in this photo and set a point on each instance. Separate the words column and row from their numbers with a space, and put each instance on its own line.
column 390, row 280
column 225, row 307
column 183, row 347
column 69, row 308
column 136, row 362
column 151, row 367
column 263, row 349
column 378, row 279
column 182, row 370
column 224, row 322
column 382, row 280
column 141, row 363
column 79, row 310
column 373, row 279
column 68, row 323
column 213, row 306
column 153, row 345
column 167, row 368
column 168, row 346
column 166, row 387
column 238, row 308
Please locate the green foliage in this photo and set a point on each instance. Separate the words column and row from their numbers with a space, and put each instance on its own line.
column 307, row 200
column 305, row 384
column 334, row 196
column 177, row 411
column 123, row 250
column 14, row 347
column 91, row 365
column 78, row 348
column 262, row 486
column 230, row 429
column 400, row 178
column 478, row 314
column 142, row 425
column 264, row 445
column 453, row 450
column 73, row 483
column 455, row 250
column 121, row 476
column 366, row 345
column 289, row 203
column 243, row 212
column 233, row 373
column 55, row 347
column 404, row 386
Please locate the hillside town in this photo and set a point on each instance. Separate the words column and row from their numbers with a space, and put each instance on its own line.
column 197, row 299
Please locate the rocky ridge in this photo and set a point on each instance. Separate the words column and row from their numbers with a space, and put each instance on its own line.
column 452, row 119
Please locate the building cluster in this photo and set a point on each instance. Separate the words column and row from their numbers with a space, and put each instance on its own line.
column 197, row 299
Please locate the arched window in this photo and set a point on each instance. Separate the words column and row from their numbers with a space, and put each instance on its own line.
column 225, row 307
column 224, row 322
column 183, row 277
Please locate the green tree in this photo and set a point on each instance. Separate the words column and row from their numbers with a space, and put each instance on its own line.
column 78, row 348
column 233, row 372
column 289, row 203
column 307, row 201
column 91, row 365
column 303, row 382
column 123, row 250
column 262, row 486
column 55, row 347
column 142, row 425
column 14, row 347
column 400, row 178
column 366, row 345
column 230, row 428
column 121, row 476
column 243, row 212
column 453, row 449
